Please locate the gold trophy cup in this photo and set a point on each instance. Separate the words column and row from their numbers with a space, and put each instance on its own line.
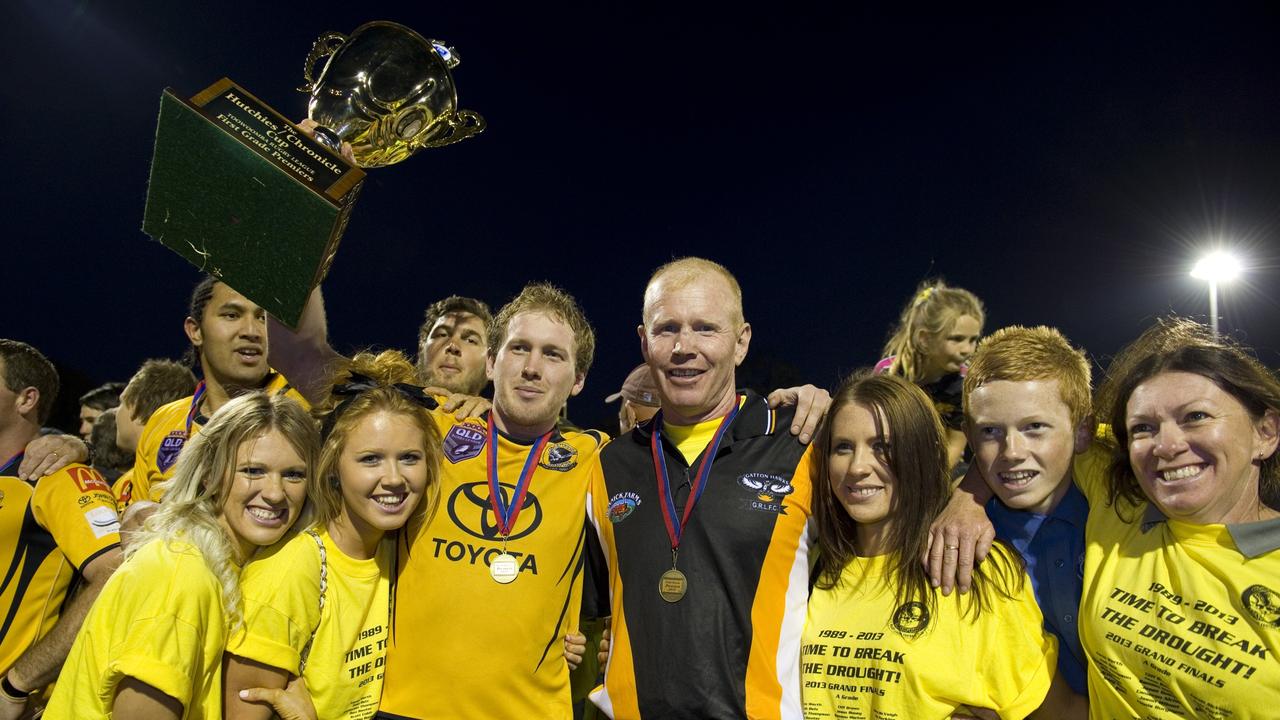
column 387, row 91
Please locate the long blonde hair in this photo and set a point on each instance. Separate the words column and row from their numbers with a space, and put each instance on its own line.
column 932, row 309
column 202, row 479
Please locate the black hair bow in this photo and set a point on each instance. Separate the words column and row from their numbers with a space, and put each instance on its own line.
column 358, row 384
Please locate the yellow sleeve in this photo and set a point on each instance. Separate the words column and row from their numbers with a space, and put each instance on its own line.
column 281, row 590
column 76, row 506
column 1017, row 676
column 167, row 647
column 1089, row 469
column 122, row 490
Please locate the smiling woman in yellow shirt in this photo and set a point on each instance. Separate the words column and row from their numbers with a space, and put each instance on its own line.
column 317, row 604
column 152, row 645
column 1180, row 615
column 879, row 642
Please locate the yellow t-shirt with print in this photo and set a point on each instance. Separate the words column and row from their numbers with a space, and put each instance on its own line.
column 48, row 532
column 281, row 589
column 1177, row 620
column 864, row 657
column 165, row 434
column 159, row 620
column 462, row 645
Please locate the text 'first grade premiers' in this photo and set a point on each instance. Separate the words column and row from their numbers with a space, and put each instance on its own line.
column 282, row 143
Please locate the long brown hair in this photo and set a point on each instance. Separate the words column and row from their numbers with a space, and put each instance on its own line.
column 917, row 457
column 1176, row 344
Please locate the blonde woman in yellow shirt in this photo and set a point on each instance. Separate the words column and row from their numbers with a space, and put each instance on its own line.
column 152, row 645
column 317, row 604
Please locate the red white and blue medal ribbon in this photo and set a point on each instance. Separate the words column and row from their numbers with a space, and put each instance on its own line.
column 503, row 567
column 195, row 406
column 674, row 522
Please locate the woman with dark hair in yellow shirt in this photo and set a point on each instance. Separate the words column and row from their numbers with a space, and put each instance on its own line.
column 1180, row 615
column 879, row 641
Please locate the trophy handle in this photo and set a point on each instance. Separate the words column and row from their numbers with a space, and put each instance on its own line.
column 462, row 125
column 324, row 46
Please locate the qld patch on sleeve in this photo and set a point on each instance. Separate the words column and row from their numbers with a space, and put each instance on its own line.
column 172, row 444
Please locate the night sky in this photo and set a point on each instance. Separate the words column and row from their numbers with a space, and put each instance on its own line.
column 1068, row 168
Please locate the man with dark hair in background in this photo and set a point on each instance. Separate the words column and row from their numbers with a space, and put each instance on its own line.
column 451, row 344
column 109, row 459
column 228, row 335
column 51, row 529
column 95, row 402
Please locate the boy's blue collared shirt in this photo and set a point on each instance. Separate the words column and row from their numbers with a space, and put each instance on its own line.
column 1053, row 547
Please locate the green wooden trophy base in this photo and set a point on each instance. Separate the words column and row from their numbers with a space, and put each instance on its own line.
column 243, row 195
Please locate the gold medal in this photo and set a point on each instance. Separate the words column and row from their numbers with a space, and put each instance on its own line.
column 504, row 569
column 672, row 585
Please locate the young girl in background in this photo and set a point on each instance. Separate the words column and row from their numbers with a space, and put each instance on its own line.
column 317, row 604
column 151, row 646
column 937, row 332
column 919, row 654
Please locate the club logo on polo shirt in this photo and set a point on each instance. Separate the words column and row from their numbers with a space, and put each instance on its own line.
column 1262, row 604
column 622, row 505
column 911, row 618
column 170, row 446
column 463, row 442
column 559, row 456
column 472, row 513
column 767, row 491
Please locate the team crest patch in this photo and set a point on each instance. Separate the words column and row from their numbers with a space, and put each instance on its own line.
column 559, row 456
column 464, row 442
column 622, row 505
column 911, row 618
column 1262, row 604
column 167, row 455
column 768, row 491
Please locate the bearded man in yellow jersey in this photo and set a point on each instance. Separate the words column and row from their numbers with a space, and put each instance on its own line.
column 51, row 529
column 228, row 334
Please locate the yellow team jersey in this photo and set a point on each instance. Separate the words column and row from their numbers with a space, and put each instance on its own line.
column 159, row 620
column 864, row 657
column 463, row 645
column 1177, row 620
column 48, row 532
column 348, row 637
column 166, row 432
column 122, row 490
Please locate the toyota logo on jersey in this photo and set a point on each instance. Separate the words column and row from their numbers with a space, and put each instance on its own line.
column 470, row 509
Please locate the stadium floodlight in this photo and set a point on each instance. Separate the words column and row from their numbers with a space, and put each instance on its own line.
column 1216, row 267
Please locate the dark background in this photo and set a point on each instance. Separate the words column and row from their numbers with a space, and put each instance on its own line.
column 1068, row 167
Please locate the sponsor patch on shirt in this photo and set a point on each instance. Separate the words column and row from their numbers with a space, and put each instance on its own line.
column 622, row 505
column 559, row 456
column 167, row 455
column 767, row 490
column 88, row 480
column 103, row 520
column 463, row 442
